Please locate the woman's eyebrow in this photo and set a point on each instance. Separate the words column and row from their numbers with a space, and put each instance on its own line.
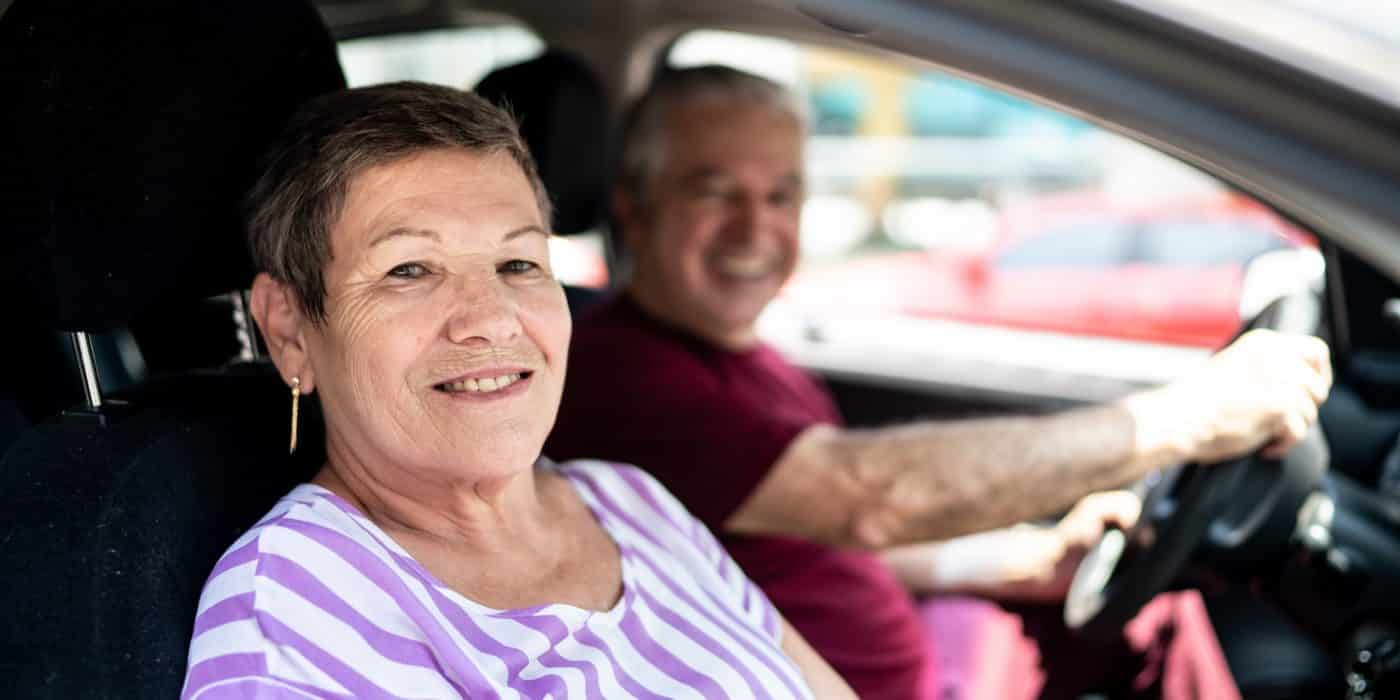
column 402, row 231
column 512, row 235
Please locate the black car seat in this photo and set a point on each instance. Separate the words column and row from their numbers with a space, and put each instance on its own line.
column 563, row 113
column 130, row 130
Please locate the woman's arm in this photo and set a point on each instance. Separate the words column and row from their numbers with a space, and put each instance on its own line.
column 815, row 670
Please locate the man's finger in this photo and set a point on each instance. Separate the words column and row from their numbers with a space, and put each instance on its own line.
column 1317, row 354
column 1307, row 411
column 1290, row 433
column 1318, row 386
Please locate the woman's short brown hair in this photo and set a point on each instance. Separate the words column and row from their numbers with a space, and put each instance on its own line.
column 334, row 138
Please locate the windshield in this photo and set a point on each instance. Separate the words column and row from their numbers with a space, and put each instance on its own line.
column 1351, row 42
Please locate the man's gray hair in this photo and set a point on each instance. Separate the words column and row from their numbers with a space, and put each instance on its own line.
column 334, row 138
column 644, row 126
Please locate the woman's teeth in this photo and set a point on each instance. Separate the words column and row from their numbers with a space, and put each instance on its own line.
column 483, row 385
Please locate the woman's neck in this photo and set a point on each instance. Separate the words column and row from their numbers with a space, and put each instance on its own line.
column 487, row 515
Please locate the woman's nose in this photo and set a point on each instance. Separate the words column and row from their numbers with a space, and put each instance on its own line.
column 483, row 312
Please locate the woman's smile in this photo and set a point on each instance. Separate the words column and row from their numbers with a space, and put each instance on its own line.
column 487, row 385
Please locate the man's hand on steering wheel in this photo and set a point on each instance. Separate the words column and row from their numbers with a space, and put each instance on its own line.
column 1234, row 424
column 1082, row 526
column 1262, row 391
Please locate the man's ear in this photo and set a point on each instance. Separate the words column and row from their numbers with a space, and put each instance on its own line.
column 628, row 213
column 284, row 328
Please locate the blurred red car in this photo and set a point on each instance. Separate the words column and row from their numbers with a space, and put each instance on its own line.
column 1170, row 271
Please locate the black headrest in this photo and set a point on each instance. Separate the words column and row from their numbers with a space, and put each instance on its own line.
column 130, row 130
column 563, row 113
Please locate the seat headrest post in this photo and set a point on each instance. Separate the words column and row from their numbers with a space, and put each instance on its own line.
column 87, row 370
column 247, row 334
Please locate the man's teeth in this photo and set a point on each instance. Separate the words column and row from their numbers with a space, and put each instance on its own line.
column 483, row 385
column 746, row 267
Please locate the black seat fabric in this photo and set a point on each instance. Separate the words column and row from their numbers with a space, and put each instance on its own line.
column 1270, row 657
column 12, row 423
column 113, row 531
column 130, row 131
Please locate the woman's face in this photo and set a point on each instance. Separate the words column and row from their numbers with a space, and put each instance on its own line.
column 444, row 349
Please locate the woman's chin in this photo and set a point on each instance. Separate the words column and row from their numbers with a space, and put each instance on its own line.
column 505, row 455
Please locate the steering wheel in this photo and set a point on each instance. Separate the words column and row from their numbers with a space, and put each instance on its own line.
column 1235, row 514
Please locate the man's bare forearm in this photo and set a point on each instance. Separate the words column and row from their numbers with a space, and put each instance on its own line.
column 938, row 480
column 935, row 481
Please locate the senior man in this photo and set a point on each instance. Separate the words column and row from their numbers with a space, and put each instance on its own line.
column 836, row 525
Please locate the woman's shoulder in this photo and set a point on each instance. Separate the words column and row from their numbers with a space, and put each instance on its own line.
column 631, row 494
column 619, row 482
column 306, row 522
column 312, row 580
column 307, row 509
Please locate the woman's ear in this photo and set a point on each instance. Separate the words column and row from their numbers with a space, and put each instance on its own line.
column 284, row 328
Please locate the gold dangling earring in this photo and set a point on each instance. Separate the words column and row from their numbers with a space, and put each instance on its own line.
column 296, row 398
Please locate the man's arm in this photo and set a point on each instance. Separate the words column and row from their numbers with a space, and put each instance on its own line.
column 938, row 480
column 1023, row 562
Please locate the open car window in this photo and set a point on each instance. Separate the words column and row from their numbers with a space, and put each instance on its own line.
column 456, row 57
column 955, row 234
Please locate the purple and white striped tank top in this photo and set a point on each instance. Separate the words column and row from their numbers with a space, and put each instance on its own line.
column 316, row 601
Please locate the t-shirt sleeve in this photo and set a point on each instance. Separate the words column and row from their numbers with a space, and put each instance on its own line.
column 274, row 619
column 709, row 446
column 232, row 655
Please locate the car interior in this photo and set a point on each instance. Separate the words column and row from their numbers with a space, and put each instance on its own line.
column 141, row 430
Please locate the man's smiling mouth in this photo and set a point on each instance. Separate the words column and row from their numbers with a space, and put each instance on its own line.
column 749, row 267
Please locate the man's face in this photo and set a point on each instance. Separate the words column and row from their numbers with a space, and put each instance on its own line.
column 717, row 235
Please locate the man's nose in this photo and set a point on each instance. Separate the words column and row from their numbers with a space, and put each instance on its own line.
column 483, row 312
column 752, row 217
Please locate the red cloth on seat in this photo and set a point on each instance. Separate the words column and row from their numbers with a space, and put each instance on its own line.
column 982, row 649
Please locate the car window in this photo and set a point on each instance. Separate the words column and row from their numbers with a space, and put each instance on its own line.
column 1203, row 243
column 930, row 196
column 456, row 57
column 1089, row 244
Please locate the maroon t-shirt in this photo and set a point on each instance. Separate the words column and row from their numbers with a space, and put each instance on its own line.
column 709, row 424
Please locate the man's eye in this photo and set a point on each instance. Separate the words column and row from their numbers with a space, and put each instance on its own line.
column 711, row 193
column 518, row 267
column 410, row 271
column 784, row 199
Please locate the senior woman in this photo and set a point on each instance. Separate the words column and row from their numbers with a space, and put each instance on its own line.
column 401, row 230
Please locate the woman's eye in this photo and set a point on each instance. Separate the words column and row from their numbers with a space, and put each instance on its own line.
column 517, row 267
column 408, row 271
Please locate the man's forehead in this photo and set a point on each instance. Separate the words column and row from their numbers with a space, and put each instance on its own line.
column 708, row 137
column 703, row 115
